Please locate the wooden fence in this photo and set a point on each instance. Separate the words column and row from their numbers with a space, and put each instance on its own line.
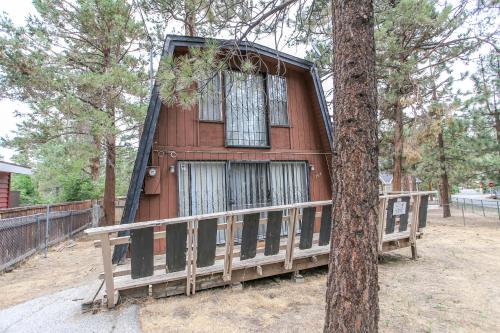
column 193, row 260
column 40, row 209
column 23, row 236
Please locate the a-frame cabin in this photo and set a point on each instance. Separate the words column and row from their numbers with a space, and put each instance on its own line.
column 253, row 140
column 237, row 187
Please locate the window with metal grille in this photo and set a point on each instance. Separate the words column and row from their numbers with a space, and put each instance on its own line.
column 209, row 104
column 246, row 123
column 278, row 101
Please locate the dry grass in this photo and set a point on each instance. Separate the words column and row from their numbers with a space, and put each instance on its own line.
column 453, row 287
column 39, row 276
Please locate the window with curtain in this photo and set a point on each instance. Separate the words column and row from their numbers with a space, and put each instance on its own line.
column 278, row 101
column 246, row 123
column 209, row 104
column 203, row 188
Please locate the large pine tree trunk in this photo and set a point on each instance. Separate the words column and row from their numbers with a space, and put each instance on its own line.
column 397, row 172
column 445, row 186
column 352, row 287
column 110, row 181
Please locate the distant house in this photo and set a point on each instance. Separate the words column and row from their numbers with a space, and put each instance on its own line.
column 385, row 182
column 7, row 198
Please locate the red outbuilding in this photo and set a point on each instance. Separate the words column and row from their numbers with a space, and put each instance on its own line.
column 7, row 199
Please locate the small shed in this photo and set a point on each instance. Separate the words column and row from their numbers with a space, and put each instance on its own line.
column 410, row 183
column 6, row 169
column 385, row 182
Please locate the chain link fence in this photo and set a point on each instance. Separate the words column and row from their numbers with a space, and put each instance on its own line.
column 23, row 236
column 486, row 208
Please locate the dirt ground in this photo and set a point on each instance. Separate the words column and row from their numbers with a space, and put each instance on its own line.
column 70, row 266
column 452, row 287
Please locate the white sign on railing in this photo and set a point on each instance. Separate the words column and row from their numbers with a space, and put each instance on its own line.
column 399, row 208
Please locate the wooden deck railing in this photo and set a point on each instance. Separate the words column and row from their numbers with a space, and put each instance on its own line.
column 193, row 260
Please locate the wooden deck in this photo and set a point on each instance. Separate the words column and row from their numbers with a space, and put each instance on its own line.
column 185, row 269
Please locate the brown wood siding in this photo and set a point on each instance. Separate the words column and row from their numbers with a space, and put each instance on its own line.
column 4, row 189
column 180, row 131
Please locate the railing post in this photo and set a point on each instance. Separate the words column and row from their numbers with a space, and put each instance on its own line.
column 414, row 226
column 195, row 254
column 482, row 206
column 292, row 230
column 381, row 222
column 108, row 269
column 228, row 255
column 472, row 205
column 189, row 257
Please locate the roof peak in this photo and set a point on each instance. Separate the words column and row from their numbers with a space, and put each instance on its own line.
column 172, row 41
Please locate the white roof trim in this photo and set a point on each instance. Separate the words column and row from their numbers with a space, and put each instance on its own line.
column 14, row 168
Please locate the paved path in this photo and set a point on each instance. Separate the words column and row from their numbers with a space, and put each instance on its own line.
column 61, row 312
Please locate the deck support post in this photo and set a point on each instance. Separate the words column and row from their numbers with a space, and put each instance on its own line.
column 108, row 270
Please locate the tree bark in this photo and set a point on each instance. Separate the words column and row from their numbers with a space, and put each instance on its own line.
column 95, row 162
column 110, row 181
column 189, row 19
column 352, row 286
column 445, row 185
column 397, row 172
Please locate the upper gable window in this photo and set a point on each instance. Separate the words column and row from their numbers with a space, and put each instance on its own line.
column 210, row 99
column 278, row 101
column 245, row 104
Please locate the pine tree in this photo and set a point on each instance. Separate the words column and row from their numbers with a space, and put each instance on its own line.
column 79, row 67
column 409, row 33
